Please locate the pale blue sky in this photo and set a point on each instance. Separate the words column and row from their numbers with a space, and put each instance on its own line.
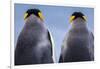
column 56, row 19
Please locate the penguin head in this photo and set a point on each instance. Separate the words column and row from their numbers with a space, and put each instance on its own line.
column 35, row 12
column 76, row 15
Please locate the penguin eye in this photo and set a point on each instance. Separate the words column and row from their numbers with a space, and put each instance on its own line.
column 25, row 15
column 85, row 18
column 41, row 16
column 72, row 18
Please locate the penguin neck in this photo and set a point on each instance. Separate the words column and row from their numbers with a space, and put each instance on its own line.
column 79, row 23
column 34, row 21
column 33, row 18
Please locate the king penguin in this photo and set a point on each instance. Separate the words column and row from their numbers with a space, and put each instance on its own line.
column 34, row 44
column 78, row 44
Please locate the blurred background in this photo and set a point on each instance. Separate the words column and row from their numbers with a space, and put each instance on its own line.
column 56, row 19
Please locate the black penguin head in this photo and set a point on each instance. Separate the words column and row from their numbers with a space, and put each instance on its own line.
column 35, row 12
column 76, row 15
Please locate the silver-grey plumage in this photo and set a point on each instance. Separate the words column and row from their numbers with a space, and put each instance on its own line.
column 78, row 44
column 34, row 44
